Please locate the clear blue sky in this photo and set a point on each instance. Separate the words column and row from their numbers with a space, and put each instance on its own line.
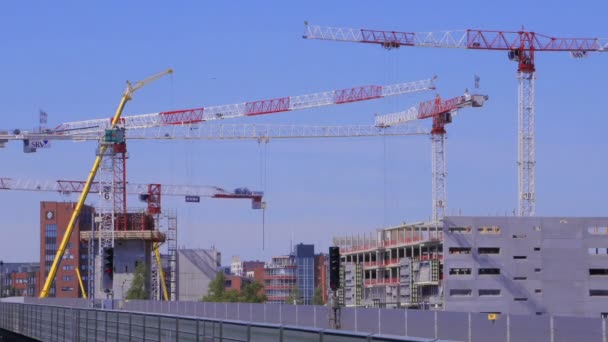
column 72, row 58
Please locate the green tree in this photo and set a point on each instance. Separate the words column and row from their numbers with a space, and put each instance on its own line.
column 251, row 293
column 217, row 290
column 138, row 285
column 294, row 297
column 317, row 298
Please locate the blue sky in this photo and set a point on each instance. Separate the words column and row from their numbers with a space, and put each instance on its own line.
column 72, row 58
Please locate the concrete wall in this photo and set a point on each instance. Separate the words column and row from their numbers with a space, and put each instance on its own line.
column 544, row 265
column 196, row 269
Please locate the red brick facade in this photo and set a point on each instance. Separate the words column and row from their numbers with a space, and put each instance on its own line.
column 54, row 219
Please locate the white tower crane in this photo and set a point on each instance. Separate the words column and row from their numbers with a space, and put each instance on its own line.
column 441, row 112
column 521, row 47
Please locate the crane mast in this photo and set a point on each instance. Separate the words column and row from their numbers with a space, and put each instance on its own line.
column 441, row 113
column 521, row 47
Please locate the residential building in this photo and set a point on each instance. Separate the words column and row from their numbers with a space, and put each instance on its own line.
column 234, row 282
column 252, row 266
column 196, row 268
column 280, row 278
column 19, row 279
column 54, row 219
column 236, row 266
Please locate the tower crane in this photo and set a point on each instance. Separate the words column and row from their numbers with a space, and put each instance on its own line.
column 441, row 112
column 521, row 47
column 111, row 155
column 149, row 193
column 102, row 151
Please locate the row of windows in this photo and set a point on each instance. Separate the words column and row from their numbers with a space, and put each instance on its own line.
column 486, row 293
column 496, row 250
column 593, row 230
column 67, row 267
column 598, row 251
column 486, row 271
column 67, row 278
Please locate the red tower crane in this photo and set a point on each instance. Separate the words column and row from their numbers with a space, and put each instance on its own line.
column 521, row 47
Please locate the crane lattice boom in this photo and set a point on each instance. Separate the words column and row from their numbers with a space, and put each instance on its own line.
column 465, row 39
column 70, row 186
column 285, row 104
column 232, row 132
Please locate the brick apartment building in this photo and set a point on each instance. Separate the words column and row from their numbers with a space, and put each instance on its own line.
column 54, row 219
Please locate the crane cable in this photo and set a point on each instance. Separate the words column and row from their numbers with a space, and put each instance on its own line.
column 263, row 180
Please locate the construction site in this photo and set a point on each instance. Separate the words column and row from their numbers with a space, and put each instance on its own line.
column 512, row 261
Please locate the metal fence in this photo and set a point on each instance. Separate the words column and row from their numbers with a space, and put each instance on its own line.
column 55, row 323
column 457, row 326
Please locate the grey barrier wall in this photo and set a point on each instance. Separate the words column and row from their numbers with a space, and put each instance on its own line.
column 56, row 323
column 457, row 326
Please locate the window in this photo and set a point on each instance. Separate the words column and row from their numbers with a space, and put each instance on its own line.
column 67, row 289
column 536, row 228
column 51, row 231
column 536, row 249
column 460, row 271
column 537, row 270
column 488, row 250
column 489, row 292
column 460, row 230
column 489, row 271
column 489, row 230
column 598, row 251
column 520, row 299
column 520, row 257
column 598, row 293
column 67, row 267
column 67, row 278
column 520, row 236
column 520, row 278
column 538, row 291
column 598, row 271
column 460, row 250
column 461, row 292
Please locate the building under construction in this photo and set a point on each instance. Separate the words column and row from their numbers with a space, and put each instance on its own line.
column 520, row 265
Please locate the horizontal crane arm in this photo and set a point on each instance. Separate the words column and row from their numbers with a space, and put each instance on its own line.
column 285, row 104
column 465, row 39
column 429, row 109
column 68, row 187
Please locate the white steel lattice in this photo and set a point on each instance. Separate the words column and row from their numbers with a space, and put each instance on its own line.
column 526, row 158
column 285, row 104
column 155, row 293
column 105, row 208
column 444, row 39
column 242, row 132
column 91, row 271
column 172, row 248
column 439, row 176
